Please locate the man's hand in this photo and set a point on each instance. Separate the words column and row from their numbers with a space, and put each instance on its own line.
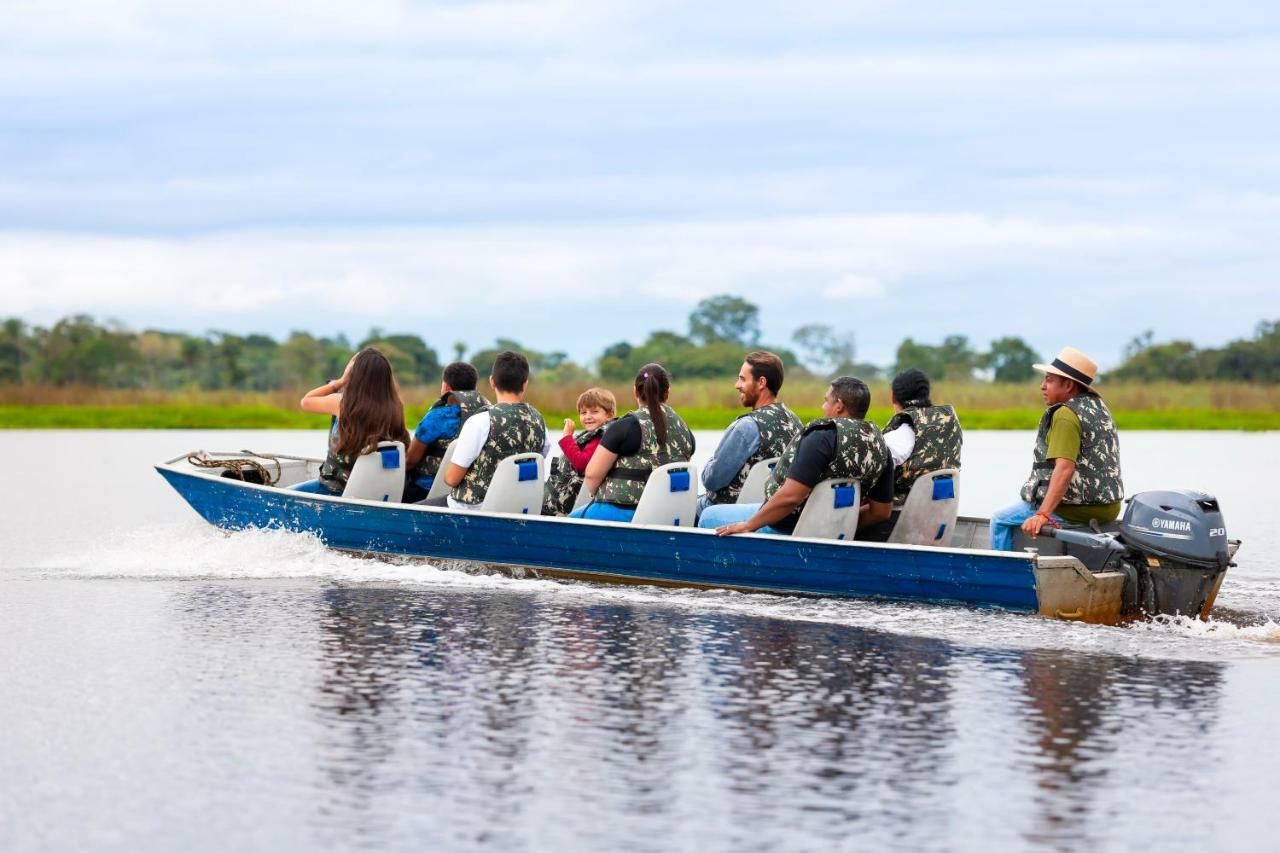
column 568, row 427
column 730, row 529
column 1033, row 524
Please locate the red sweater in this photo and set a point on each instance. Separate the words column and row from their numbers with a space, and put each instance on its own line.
column 578, row 458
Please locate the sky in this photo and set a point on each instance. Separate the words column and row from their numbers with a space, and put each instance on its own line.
column 571, row 174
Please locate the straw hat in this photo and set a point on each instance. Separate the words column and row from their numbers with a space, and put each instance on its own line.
column 1072, row 364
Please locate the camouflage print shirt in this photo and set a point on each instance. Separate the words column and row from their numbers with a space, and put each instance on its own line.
column 1097, row 478
column 513, row 428
column 469, row 403
column 777, row 425
column 624, row 484
column 563, row 483
column 861, row 455
column 937, row 446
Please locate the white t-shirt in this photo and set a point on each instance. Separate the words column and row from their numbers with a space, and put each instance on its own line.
column 471, row 439
column 901, row 442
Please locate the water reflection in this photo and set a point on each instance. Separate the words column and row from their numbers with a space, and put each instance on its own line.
column 1091, row 716
column 522, row 720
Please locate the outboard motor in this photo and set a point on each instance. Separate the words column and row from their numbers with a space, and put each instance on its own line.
column 1181, row 541
column 1172, row 547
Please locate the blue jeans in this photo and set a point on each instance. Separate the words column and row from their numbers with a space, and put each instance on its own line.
column 312, row 487
column 1005, row 521
column 602, row 511
column 718, row 515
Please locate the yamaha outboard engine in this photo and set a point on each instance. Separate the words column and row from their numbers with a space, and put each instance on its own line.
column 1172, row 547
column 1181, row 543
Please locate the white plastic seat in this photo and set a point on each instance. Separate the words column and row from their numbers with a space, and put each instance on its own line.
column 929, row 513
column 378, row 475
column 753, row 487
column 670, row 497
column 516, row 486
column 439, row 488
column 831, row 511
column 583, row 498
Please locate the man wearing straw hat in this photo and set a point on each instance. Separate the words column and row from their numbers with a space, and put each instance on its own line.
column 1075, row 477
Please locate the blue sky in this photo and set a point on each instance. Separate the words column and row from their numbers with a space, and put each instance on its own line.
column 574, row 173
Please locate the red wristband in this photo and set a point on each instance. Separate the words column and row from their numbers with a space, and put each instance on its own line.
column 1050, row 519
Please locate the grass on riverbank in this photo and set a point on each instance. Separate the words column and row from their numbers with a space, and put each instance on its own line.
column 705, row 404
column 266, row 417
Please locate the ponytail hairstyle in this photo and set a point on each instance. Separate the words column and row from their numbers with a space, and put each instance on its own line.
column 371, row 408
column 653, row 383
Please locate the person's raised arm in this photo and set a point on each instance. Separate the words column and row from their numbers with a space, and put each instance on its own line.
column 327, row 399
column 790, row 495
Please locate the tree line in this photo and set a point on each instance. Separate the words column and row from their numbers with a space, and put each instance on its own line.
column 78, row 350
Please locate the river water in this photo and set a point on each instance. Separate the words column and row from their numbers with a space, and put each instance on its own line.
column 168, row 686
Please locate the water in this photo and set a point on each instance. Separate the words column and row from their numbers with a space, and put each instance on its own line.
column 169, row 686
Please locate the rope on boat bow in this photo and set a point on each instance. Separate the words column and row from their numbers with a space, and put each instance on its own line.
column 201, row 460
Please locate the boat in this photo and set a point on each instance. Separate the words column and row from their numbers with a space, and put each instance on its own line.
column 1101, row 577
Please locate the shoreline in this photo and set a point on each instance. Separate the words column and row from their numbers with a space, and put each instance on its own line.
column 16, row 417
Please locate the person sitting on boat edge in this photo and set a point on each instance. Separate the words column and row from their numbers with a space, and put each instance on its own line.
column 1075, row 473
column 458, row 401
column 841, row 443
column 365, row 408
column 597, row 407
column 761, row 433
column 921, row 436
column 633, row 446
column 508, row 427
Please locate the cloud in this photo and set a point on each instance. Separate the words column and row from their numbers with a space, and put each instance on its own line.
column 852, row 287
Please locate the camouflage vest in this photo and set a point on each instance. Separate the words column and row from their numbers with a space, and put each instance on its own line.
column 563, row 483
column 938, row 440
column 336, row 468
column 513, row 428
column 469, row 402
column 625, row 481
column 861, row 455
column 1097, row 477
column 778, row 425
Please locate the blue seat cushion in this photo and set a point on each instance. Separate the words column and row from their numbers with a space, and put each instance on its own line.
column 944, row 489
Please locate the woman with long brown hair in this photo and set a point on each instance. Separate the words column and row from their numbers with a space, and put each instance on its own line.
column 633, row 446
column 366, row 408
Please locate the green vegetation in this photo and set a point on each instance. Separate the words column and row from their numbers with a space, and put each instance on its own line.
column 82, row 374
column 698, row 417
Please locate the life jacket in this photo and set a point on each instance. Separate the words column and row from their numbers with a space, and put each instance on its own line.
column 777, row 425
column 625, row 481
column 861, row 455
column 469, row 403
column 938, row 440
column 1097, row 478
column 563, row 483
column 336, row 468
column 513, row 428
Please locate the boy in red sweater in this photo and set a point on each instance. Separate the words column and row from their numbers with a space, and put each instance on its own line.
column 596, row 408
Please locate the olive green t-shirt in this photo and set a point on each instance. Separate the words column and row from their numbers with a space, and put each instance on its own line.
column 1064, row 443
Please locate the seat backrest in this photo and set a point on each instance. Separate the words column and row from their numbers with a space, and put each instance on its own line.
column 584, row 497
column 753, row 487
column 928, row 515
column 516, row 486
column 378, row 475
column 670, row 496
column 439, row 488
column 831, row 512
